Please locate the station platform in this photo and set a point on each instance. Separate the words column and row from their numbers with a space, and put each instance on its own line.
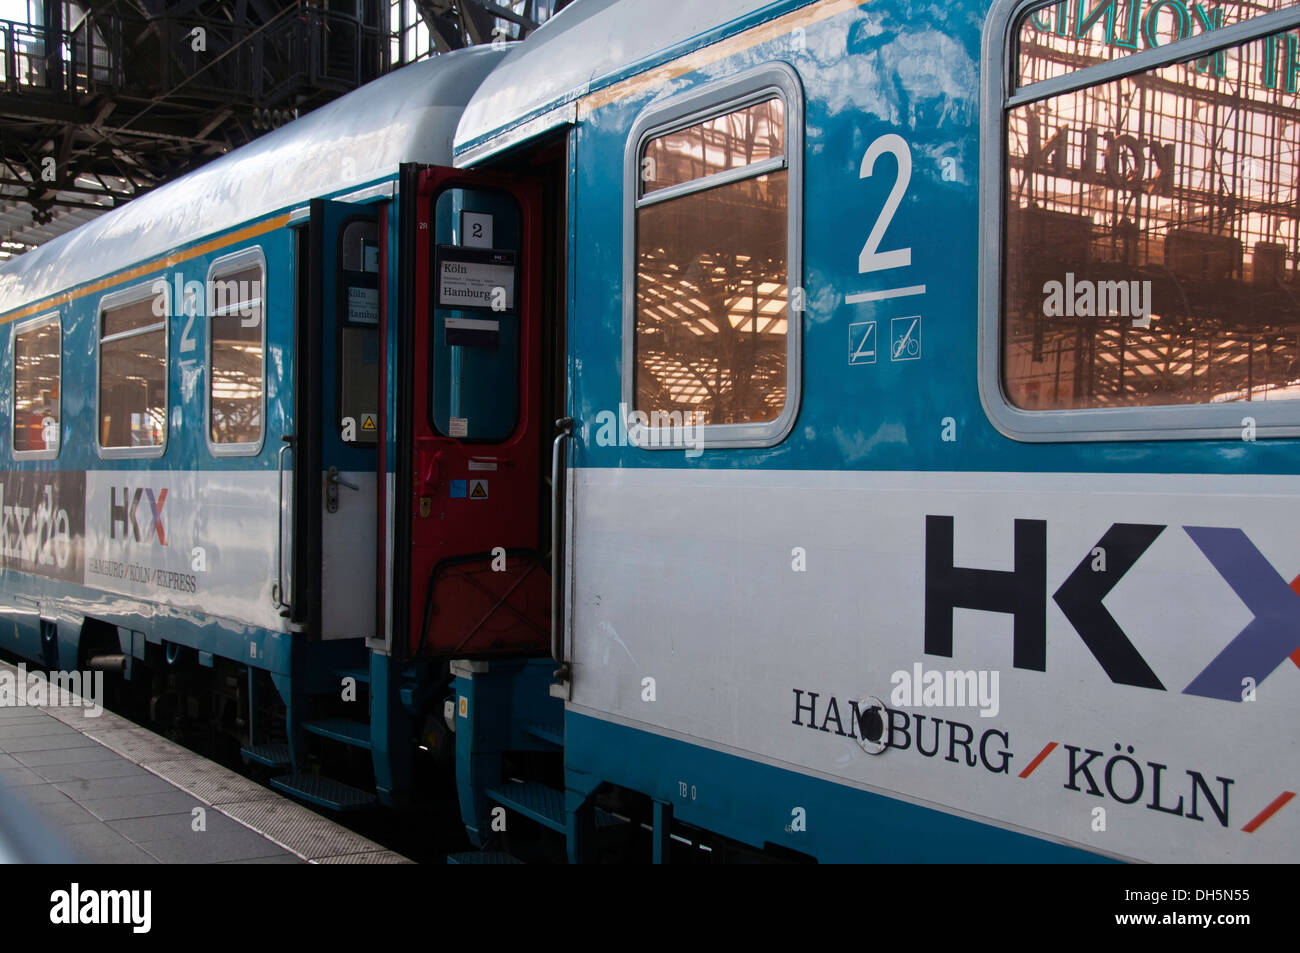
column 81, row 787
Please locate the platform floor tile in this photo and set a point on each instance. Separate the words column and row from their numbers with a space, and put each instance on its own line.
column 110, row 791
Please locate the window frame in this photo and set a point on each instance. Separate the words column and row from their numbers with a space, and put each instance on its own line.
column 225, row 265
column 31, row 324
column 998, row 95
column 702, row 103
column 117, row 299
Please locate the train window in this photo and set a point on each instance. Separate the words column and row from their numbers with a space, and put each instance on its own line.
column 713, row 239
column 732, row 140
column 38, row 369
column 132, row 393
column 358, row 364
column 474, row 384
column 236, row 353
column 1149, row 210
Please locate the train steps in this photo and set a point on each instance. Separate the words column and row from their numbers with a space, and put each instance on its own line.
column 324, row 792
column 541, row 803
column 319, row 790
column 275, row 755
column 550, row 733
column 346, row 730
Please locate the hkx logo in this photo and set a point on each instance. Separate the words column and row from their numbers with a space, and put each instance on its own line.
column 1272, row 636
column 127, row 515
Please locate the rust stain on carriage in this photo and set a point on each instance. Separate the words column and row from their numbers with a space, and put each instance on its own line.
column 705, row 56
column 166, row 261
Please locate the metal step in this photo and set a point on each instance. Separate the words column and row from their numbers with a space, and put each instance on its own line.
column 543, row 804
column 334, row 795
column 543, row 731
column 362, row 675
column 483, row 857
column 275, row 755
column 534, row 800
column 355, row 733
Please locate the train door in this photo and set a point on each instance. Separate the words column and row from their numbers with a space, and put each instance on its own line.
column 472, row 491
column 337, row 430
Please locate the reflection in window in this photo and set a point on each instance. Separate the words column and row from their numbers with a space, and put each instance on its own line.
column 711, row 324
column 132, row 376
column 1151, row 239
column 37, row 371
column 1059, row 38
column 730, row 141
column 235, row 315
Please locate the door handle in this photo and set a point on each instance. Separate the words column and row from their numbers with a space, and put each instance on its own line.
column 334, row 477
column 565, row 427
column 332, row 483
column 278, row 592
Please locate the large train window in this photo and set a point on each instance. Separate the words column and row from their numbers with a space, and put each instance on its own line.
column 236, row 353
column 711, row 353
column 132, row 392
column 38, row 371
column 1150, row 221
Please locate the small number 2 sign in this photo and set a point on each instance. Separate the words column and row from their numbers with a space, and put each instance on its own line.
column 475, row 230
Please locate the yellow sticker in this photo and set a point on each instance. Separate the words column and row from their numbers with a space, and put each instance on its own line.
column 464, row 707
column 368, row 422
column 478, row 489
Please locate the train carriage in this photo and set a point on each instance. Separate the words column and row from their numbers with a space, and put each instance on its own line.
column 837, row 430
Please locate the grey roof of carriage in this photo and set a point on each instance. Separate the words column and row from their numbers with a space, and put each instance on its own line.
column 408, row 115
column 583, row 47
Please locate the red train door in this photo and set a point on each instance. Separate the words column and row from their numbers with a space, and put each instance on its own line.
column 471, row 567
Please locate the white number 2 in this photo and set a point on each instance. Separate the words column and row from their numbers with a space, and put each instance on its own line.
column 871, row 259
column 187, row 338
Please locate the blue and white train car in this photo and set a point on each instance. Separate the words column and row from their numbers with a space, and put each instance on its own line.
column 933, row 483
column 191, row 412
column 923, row 481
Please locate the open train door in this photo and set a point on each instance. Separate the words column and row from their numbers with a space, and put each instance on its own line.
column 472, row 501
column 336, row 432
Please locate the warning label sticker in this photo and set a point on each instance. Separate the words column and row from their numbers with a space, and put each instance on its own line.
column 478, row 489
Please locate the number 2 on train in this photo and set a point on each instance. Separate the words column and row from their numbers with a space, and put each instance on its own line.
column 871, row 258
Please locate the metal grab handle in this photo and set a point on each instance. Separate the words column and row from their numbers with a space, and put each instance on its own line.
column 334, row 477
column 277, row 592
column 565, row 427
column 332, row 483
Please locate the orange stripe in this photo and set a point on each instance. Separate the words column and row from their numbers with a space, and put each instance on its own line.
column 1278, row 803
column 1029, row 768
column 167, row 261
column 707, row 55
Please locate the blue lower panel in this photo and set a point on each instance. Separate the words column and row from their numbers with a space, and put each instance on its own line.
column 755, row 803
